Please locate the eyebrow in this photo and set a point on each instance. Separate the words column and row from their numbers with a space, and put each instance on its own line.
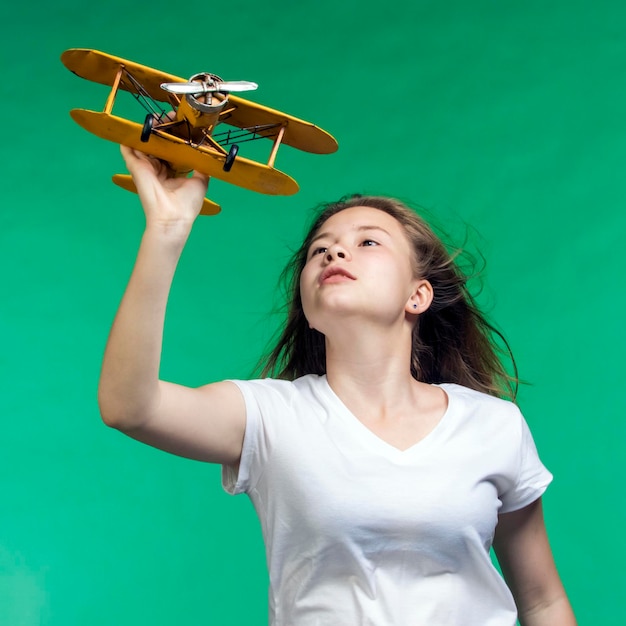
column 359, row 229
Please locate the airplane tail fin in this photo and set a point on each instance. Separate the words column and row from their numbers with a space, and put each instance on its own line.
column 125, row 181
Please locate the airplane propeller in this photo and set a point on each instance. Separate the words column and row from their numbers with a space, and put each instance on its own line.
column 199, row 88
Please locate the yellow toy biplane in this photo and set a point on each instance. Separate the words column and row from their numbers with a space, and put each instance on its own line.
column 182, row 116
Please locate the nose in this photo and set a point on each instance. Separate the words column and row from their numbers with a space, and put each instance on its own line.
column 336, row 251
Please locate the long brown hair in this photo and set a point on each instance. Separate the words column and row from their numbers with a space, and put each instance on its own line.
column 452, row 340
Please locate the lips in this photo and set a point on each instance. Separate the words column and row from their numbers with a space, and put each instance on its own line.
column 335, row 274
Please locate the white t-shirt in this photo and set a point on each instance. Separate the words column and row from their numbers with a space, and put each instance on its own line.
column 359, row 533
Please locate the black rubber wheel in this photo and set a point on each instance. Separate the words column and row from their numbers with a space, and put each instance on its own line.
column 146, row 131
column 230, row 157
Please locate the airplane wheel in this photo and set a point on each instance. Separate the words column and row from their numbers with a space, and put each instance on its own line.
column 230, row 158
column 146, row 131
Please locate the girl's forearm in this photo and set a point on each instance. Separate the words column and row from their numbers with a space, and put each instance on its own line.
column 556, row 613
column 129, row 381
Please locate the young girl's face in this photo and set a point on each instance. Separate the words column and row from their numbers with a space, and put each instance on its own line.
column 359, row 264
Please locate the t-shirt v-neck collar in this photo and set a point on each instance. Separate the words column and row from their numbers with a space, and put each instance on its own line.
column 372, row 440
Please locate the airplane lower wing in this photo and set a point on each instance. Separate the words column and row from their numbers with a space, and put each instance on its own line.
column 184, row 157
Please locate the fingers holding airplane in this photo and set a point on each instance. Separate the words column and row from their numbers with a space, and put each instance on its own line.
column 165, row 195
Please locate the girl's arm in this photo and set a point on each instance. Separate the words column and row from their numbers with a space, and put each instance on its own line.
column 523, row 551
column 206, row 423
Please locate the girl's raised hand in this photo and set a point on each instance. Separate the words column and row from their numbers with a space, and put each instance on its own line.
column 168, row 201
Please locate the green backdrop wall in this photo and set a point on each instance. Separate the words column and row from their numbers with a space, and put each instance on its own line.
column 507, row 116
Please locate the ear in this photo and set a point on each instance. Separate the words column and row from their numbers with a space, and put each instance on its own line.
column 421, row 298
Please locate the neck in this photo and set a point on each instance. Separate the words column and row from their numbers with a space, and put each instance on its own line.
column 372, row 365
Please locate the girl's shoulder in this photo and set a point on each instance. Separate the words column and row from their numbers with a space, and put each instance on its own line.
column 280, row 389
column 471, row 402
column 474, row 396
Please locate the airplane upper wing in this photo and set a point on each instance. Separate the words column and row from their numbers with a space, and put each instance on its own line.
column 103, row 68
column 298, row 133
column 100, row 67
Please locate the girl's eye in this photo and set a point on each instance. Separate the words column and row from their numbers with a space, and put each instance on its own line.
column 369, row 242
column 318, row 250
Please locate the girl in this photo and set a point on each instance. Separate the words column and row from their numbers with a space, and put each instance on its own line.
column 382, row 463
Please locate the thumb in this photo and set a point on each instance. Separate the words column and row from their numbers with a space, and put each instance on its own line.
column 203, row 179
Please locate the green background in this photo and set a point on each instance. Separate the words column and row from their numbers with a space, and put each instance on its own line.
column 509, row 117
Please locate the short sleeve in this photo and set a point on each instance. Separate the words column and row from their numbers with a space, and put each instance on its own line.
column 532, row 477
column 267, row 402
column 236, row 480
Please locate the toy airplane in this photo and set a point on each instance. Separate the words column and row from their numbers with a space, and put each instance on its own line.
column 182, row 117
